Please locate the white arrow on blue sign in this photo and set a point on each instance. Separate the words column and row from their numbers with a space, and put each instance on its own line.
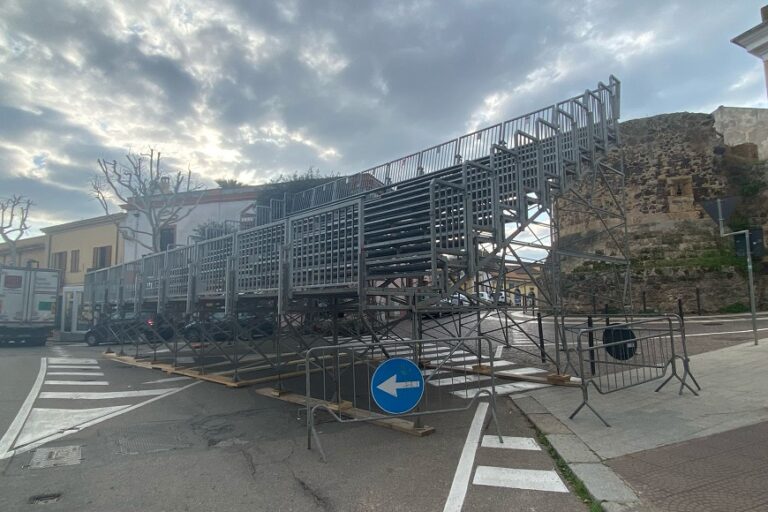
column 397, row 386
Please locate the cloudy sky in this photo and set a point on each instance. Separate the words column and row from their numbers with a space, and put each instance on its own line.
column 250, row 89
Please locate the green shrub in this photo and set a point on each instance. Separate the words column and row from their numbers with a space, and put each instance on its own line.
column 736, row 307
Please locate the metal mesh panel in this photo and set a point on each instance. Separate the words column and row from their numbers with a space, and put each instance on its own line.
column 439, row 157
column 481, row 184
column 151, row 275
column 258, row 258
column 114, row 275
column 212, row 256
column 129, row 278
column 478, row 144
column 325, row 247
column 448, row 219
column 177, row 271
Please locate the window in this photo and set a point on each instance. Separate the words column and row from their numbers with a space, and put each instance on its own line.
column 74, row 260
column 167, row 237
column 102, row 257
column 59, row 261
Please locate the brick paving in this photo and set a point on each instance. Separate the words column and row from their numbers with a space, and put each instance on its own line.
column 725, row 472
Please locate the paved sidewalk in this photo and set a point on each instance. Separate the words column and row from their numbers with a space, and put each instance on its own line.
column 734, row 384
column 677, row 452
column 725, row 472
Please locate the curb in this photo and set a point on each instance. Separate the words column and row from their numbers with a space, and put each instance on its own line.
column 603, row 484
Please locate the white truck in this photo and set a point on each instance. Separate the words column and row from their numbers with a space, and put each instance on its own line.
column 27, row 304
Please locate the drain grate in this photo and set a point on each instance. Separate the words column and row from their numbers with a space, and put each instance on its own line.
column 712, row 323
column 44, row 499
column 56, row 456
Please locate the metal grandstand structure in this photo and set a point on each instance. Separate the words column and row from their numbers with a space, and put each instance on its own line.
column 434, row 244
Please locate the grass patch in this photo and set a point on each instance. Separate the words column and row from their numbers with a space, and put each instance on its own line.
column 573, row 481
column 736, row 307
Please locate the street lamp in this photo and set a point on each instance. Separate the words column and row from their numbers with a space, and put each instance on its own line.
column 745, row 232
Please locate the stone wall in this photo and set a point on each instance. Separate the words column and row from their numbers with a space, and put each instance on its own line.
column 673, row 164
column 740, row 125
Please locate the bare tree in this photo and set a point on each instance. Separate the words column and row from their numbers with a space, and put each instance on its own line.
column 162, row 197
column 14, row 214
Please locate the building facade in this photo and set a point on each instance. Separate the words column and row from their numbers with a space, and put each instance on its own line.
column 74, row 248
column 29, row 251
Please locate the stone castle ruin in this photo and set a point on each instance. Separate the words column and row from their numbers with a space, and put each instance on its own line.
column 674, row 164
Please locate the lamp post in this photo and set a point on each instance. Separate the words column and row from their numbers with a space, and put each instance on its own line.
column 750, row 278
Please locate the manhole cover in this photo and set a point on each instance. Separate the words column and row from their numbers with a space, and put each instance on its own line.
column 44, row 499
column 56, row 456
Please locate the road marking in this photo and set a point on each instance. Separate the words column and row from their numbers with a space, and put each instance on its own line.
column 93, row 374
column 728, row 332
column 87, row 424
column 458, row 491
column 510, row 443
column 18, row 422
column 496, row 365
column 78, row 395
column 522, row 371
column 71, row 367
column 530, row 479
column 76, row 383
column 170, row 379
column 458, row 379
column 499, row 350
column 45, row 422
column 504, row 389
column 71, row 360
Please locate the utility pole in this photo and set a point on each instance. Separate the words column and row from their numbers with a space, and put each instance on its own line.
column 751, row 280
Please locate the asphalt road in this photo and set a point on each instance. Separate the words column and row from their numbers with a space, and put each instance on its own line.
column 137, row 440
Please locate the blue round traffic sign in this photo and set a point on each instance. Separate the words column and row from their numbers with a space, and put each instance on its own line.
column 397, row 385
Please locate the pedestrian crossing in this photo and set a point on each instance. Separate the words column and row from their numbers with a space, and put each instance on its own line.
column 509, row 455
column 72, row 393
column 467, row 385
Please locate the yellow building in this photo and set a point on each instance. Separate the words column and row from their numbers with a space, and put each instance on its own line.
column 75, row 248
column 29, row 251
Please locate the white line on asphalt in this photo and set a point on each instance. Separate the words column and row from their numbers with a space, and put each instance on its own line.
column 504, row 389
column 522, row 371
column 530, row 479
column 169, row 379
column 71, row 360
column 85, row 395
column 728, row 332
column 76, row 383
column 54, row 437
column 510, row 443
column 458, row 379
column 496, row 365
column 72, row 367
column 499, row 350
column 458, row 491
column 45, row 422
column 92, row 374
column 10, row 435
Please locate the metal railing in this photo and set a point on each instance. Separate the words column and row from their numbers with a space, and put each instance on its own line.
column 338, row 379
column 619, row 356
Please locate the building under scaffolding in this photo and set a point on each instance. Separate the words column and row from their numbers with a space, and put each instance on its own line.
column 461, row 239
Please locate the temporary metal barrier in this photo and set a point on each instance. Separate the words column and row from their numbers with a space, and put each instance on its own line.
column 619, row 356
column 339, row 380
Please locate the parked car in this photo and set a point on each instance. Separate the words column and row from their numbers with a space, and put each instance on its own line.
column 146, row 323
column 219, row 327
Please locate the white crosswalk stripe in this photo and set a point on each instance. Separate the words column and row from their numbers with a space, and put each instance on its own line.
column 76, row 383
column 42, row 420
column 529, row 479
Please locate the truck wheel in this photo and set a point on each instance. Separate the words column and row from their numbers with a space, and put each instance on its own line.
column 91, row 340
